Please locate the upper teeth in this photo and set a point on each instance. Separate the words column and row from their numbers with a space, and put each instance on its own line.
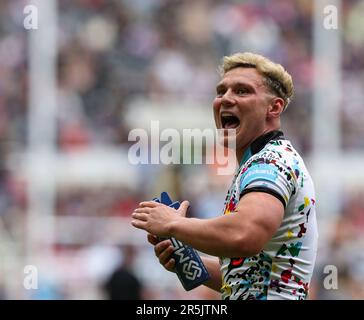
column 225, row 114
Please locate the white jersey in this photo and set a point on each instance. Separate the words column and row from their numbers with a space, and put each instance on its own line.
column 283, row 269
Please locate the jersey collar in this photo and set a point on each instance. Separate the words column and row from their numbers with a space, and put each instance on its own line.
column 259, row 143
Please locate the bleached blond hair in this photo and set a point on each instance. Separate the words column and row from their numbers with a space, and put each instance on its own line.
column 277, row 79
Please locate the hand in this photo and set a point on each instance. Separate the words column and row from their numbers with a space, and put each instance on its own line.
column 163, row 250
column 157, row 218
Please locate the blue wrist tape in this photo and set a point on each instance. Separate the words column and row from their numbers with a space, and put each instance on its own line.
column 189, row 267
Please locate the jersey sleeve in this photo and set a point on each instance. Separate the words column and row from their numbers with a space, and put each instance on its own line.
column 270, row 175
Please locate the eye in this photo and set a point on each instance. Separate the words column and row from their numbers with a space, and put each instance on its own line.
column 242, row 91
column 220, row 93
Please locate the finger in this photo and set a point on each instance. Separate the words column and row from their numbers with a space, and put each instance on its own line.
column 165, row 255
column 170, row 265
column 152, row 239
column 140, row 216
column 139, row 224
column 161, row 246
column 150, row 204
column 183, row 208
column 143, row 210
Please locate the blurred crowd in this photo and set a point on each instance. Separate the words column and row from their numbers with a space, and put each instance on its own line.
column 112, row 52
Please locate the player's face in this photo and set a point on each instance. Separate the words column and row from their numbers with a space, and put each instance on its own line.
column 241, row 103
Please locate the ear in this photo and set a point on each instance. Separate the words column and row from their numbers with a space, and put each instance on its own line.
column 275, row 108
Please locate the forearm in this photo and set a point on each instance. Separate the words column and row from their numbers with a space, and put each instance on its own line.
column 220, row 237
column 213, row 267
column 243, row 233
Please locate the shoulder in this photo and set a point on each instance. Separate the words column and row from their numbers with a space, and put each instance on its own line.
column 274, row 169
column 278, row 153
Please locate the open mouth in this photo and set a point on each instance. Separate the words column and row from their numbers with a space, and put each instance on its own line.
column 229, row 121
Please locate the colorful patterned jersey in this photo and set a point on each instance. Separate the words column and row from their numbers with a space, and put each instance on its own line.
column 283, row 269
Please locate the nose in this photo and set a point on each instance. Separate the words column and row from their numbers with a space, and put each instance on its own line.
column 228, row 100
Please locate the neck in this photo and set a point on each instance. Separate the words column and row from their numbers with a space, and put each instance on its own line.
column 240, row 153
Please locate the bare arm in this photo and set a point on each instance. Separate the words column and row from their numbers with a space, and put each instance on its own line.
column 241, row 234
column 244, row 233
column 213, row 267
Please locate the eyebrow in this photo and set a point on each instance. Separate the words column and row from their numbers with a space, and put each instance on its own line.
column 222, row 85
